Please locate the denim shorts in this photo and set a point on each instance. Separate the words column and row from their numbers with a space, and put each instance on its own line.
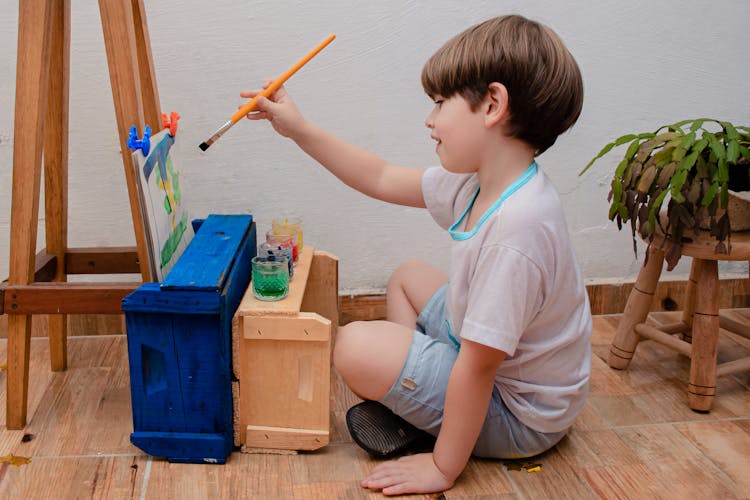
column 418, row 394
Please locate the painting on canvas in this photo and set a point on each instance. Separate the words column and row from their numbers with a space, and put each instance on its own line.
column 166, row 223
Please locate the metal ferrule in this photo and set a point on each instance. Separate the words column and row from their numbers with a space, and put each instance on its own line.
column 220, row 132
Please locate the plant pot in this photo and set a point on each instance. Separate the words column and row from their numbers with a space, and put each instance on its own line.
column 739, row 212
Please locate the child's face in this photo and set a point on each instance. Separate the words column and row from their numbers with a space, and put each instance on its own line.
column 459, row 133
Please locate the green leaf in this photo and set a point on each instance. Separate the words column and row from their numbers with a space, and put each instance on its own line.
column 697, row 124
column 613, row 209
column 656, row 207
column 621, row 168
column 733, row 151
column 732, row 133
column 687, row 162
column 616, row 191
column 710, row 194
column 607, row 148
column 622, row 211
column 625, row 138
column 717, row 146
column 675, row 188
column 632, row 149
column 723, row 171
column 688, row 140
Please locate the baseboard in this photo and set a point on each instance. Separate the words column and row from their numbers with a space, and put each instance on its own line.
column 606, row 297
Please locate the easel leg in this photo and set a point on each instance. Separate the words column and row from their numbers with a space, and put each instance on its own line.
column 32, row 75
column 149, row 91
column 19, row 341
column 56, row 169
column 118, row 26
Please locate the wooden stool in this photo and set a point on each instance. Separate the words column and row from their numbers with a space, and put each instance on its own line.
column 700, row 319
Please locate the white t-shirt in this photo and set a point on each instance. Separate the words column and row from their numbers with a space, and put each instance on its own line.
column 515, row 286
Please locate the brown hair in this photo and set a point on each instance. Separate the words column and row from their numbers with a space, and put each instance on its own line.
column 544, row 83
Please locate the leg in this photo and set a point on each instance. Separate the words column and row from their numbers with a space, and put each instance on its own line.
column 687, row 312
column 411, row 286
column 56, row 170
column 372, row 356
column 34, row 25
column 705, row 337
column 636, row 310
column 118, row 27
column 369, row 356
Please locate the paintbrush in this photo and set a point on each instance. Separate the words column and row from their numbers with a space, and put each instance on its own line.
column 267, row 92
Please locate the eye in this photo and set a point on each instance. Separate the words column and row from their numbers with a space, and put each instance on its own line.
column 438, row 102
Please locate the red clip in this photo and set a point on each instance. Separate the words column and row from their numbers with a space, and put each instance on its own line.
column 171, row 122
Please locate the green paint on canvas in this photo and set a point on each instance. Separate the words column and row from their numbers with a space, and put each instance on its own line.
column 170, row 247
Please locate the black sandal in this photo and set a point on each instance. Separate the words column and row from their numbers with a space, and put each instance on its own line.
column 382, row 433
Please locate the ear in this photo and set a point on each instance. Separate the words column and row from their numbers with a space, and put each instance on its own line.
column 496, row 106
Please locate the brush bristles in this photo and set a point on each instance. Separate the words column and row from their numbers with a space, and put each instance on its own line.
column 204, row 145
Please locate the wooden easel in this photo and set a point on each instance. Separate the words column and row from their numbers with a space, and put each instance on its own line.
column 37, row 283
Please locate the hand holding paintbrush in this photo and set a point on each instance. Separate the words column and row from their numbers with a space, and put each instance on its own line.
column 267, row 92
column 278, row 109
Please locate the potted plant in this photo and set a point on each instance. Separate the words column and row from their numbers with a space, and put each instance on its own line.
column 693, row 166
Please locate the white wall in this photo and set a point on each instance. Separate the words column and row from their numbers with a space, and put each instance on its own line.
column 644, row 64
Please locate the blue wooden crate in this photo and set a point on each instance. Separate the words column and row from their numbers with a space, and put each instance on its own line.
column 179, row 345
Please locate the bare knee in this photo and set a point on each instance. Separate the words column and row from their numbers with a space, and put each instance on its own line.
column 369, row 355
column 348, row 348
column 403, row 275
column 410, row 287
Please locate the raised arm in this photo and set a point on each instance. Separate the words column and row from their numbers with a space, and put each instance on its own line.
column 356, row 167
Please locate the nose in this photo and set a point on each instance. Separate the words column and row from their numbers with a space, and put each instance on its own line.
column 429, row 122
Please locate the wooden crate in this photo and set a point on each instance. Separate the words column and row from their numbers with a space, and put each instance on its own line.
column 179, row 343
column 282, row 360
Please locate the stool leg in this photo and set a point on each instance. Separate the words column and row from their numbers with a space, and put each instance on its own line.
column 702, row 386
column 689, row 309
column 636, row 310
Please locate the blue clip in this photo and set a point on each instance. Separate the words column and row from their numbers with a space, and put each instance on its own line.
column 144, row 144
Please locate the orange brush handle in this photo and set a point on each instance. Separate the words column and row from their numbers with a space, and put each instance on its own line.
column 250, row 106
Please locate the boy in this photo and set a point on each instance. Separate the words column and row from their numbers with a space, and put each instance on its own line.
column 493, row 359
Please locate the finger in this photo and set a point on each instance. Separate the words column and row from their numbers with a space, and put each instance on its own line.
column 383, row 476
column 280, row 93
column 400, row 489
column 386, row 481
column 249, row 93
column 259, row 115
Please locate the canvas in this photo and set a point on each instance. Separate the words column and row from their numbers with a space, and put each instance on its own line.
column 166, row 222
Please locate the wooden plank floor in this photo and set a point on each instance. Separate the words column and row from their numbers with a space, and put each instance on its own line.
column 636, row 438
